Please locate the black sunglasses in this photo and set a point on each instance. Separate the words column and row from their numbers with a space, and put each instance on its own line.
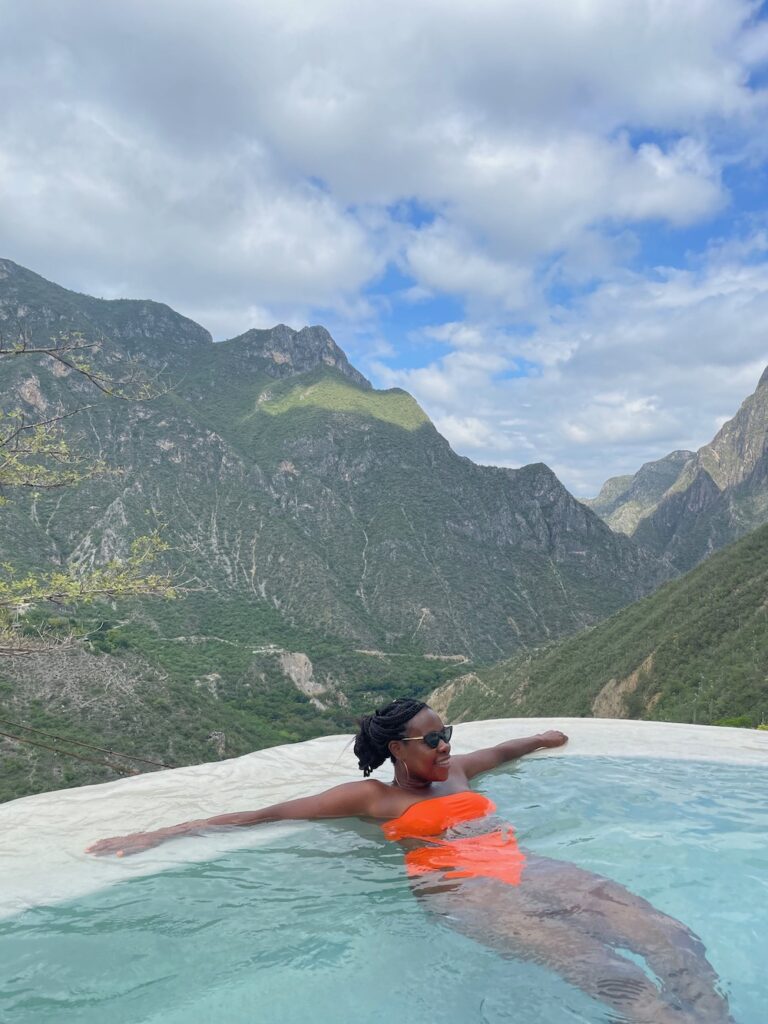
column 432, row 739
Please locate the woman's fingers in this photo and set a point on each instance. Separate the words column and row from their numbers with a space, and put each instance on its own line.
column 106, row 846
column 553, row 738
column 122, row 845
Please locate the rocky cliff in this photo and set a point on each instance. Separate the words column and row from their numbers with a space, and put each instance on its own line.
column 687, row 505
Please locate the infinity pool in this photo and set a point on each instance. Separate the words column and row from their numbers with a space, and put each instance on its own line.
column 319, row 923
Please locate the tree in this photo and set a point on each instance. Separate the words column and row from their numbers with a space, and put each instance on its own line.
column 36, row 454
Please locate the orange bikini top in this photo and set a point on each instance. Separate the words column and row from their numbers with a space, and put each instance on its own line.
column 433, row 816
column 494, row 855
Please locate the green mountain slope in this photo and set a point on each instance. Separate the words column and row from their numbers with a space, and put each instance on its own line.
column 695, row 651
column 150, row 682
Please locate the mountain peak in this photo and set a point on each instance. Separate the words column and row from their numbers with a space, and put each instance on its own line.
column 293, row 351
column 764, row 379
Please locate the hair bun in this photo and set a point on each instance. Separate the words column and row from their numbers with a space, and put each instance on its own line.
column 376, row 731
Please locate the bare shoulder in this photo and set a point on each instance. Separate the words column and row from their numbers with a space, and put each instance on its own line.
column 382, row 799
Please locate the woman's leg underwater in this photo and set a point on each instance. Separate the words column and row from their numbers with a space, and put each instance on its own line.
column 493, row 914
column 611, row 914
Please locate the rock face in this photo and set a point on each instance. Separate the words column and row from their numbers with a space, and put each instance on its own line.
column 284, row 482
column 300, row 671
column 284, row 352
column 624, row 500
column 688, row 505
column 612, row 700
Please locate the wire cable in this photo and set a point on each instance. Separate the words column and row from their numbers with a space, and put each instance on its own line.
column 70, row 753
column 82, row 743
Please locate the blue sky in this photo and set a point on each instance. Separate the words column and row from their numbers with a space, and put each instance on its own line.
column 546, row 220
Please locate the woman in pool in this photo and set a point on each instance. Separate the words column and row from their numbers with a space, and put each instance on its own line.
column 466, row 867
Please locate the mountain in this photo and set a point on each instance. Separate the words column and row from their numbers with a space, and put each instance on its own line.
column 624, row 500
column 694, row 651
column 287, row 481
column 687, row 505
column 335, row 550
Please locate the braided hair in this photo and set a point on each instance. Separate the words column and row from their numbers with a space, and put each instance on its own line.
column 378, row 730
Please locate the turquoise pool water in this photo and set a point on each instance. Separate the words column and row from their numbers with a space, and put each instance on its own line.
column 320, row 924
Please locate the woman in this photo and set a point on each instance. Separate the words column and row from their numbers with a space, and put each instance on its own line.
column 466, row 867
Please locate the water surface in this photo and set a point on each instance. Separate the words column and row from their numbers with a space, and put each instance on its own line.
column 320, row 924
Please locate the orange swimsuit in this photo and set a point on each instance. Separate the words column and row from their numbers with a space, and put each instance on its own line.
column 493, row 855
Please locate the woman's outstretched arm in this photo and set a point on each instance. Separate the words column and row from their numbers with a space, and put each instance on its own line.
column 352, row 799
column 492, row 757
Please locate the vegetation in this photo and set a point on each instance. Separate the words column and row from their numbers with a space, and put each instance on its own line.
column 695, row 651
column 144, row 682
column 340, row 506
column 334, row 394
column 36, row 454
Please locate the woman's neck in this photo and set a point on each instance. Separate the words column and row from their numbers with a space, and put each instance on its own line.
column 410, row 783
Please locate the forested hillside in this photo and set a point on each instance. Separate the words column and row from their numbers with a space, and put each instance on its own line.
column 695, row 651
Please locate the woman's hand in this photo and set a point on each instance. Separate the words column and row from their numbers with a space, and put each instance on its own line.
column 552, row 738
column 136, row 842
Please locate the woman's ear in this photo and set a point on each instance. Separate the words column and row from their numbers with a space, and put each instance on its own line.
column 395, row 748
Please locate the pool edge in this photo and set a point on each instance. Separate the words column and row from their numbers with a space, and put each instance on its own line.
column 42, row 857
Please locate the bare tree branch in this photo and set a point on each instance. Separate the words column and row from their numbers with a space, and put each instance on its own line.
column 36, row 454
column 136, row 387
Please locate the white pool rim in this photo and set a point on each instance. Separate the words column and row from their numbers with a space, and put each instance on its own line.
column 43, row 837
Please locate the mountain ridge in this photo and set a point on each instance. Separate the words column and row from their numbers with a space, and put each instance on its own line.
column 700, row 503
column 624, row 500
column 292, row 351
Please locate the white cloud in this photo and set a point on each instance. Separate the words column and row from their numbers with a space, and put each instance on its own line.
column 248, row 161
column 228, row 228
column 458, row 334
column 468, row 432
column 528, row 196
column 638, row 369
column 443, row 259
column 198, row 134
column 617, row 419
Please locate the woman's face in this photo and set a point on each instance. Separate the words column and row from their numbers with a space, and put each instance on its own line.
column 422, row 762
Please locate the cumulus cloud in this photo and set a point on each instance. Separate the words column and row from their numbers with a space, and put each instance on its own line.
column 468, row 432
column 134, row 210
column 637, row 369
column 444, row 259
column 249, row 163
column 268, row 125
